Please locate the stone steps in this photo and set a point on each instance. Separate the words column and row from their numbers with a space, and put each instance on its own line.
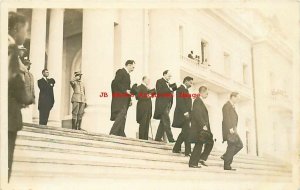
column 43, row 144
column 50, row 153
column 115, row 139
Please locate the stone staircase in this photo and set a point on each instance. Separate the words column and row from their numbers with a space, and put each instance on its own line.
column 49, row 156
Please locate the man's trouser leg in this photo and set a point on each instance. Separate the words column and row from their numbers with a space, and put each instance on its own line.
column 119, row 124
column 12, row 136
column 44, row 115
column 207, row 149
column 80, row 115
column 75, row 110
column 167, row 124
column 183, row 137
column 195, row 156
column 144, row 127
column 160, row 131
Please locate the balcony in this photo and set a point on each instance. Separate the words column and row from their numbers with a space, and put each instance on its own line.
column 217, row 81
column 194, row 65
column 280, row 99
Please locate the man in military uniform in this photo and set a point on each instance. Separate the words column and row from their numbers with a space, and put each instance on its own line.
column 78, row 100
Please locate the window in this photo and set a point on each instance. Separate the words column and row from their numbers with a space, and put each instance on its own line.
column 204, row 52
column 117, row 46
column 181, row 40
column 245, row 74
column 227, row 63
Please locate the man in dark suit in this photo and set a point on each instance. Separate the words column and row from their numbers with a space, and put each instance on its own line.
column 199, row 124
column 46, row 96
column 182, row 115
column 144, row 108
column 121, row 98
column 163, row 104
column 229, row 130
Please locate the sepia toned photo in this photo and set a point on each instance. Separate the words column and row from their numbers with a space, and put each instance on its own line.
column 185, row 95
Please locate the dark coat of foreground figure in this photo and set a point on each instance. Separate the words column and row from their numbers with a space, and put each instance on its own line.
column 165, row 98
column 230, row 119
column 120, row 102
column 200, row 119
column 183, row 105
column 119, row 85
column 234, row 142
column 144, row 104
column 163, row 104
column 143, row 111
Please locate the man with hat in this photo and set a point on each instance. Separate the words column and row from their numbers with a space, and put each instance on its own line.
column 46, row 96
column 78, row 100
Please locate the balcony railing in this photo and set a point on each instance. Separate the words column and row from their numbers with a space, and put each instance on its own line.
column 195, row 62
column 280, row 97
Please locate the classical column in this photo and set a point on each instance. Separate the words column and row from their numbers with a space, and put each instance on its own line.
column 55, row 61
column 146, row 42
column 37, row 52
column 164, row 51
column 164, row 45
column 261, row 94
column 97, row 67
column 132, row 47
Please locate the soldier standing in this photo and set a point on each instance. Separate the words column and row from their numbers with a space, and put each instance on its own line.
column 78, row 101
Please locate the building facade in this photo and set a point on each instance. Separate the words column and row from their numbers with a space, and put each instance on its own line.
column 233, row 56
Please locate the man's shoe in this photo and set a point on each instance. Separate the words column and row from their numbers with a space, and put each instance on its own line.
column 172, row 141
column 202, row 163
column 158, row 140
column 187, row 155
column 194, row 166
column 222, row 157
column 177, row 152
column 229, row 168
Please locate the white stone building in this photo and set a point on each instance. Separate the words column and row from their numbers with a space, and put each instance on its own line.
column 237, row 48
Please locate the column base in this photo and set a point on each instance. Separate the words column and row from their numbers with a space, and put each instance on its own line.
column 96, row 119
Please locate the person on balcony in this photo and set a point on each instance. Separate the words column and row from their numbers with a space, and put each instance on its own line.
column 78, row 100
column 190, row 55
column 197, row 58
column 229, row 131
column 163, row 104
column 182, row 115
column 120, row 104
